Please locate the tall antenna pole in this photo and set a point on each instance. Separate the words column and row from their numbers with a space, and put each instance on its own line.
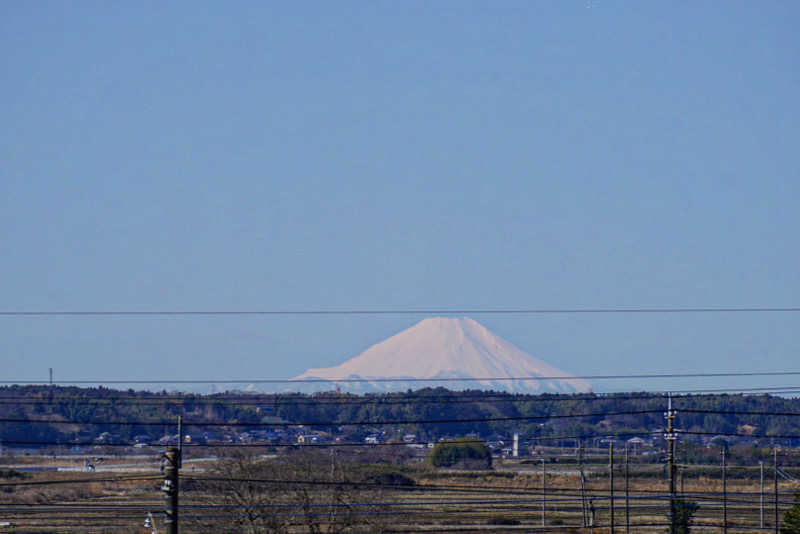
column 670, row 436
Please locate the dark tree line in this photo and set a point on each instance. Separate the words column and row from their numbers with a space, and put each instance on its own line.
column 88, row 406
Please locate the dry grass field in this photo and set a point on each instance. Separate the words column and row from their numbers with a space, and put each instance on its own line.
column 271, row 495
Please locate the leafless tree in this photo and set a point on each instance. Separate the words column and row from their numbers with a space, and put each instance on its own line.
column 308, row 491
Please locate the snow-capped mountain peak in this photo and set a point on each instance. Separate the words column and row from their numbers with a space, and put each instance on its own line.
column 443, row 347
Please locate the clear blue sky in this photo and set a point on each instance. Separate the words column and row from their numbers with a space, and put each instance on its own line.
column 334, row 155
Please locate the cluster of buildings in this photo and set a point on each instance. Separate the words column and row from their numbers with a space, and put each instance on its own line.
column 506, row 445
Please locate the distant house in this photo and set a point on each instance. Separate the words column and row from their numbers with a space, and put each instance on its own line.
column 635, row 444
column 166, row 440
column 196, row 438
column 209, row 437
column 142, row 438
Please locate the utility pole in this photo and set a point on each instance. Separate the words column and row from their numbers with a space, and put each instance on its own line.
column 583, row 486
column 761, row 508
column 611, row 485
column 170, row 462
column 775, row 461
column 180, row 441
column 627, row 492
column 724, row 495
column 670, row 436
column 544, row 491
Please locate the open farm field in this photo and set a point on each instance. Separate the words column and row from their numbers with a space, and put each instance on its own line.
column 299, row 493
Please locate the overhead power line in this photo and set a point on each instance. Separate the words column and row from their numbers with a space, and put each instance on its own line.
column 282, row 399
column 376, row 422
column 361, row 444
column 333, row 423
column 421, row 311
column 739, row 412
column 81, row 480
column 739, row 435
column 262, row 445
column 556, row 491
column 409, row 380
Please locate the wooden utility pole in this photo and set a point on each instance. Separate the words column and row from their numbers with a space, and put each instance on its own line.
column 171, row 461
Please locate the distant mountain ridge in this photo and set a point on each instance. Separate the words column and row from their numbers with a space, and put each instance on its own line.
column 439, row 348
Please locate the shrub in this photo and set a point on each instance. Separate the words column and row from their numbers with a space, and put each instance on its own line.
column 684, row 511
column 13, row 473
column 791, row 519
column 502, row 520
column 465, row 453
column 391, row 478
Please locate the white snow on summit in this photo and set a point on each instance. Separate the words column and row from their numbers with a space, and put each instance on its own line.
column 442, row 347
